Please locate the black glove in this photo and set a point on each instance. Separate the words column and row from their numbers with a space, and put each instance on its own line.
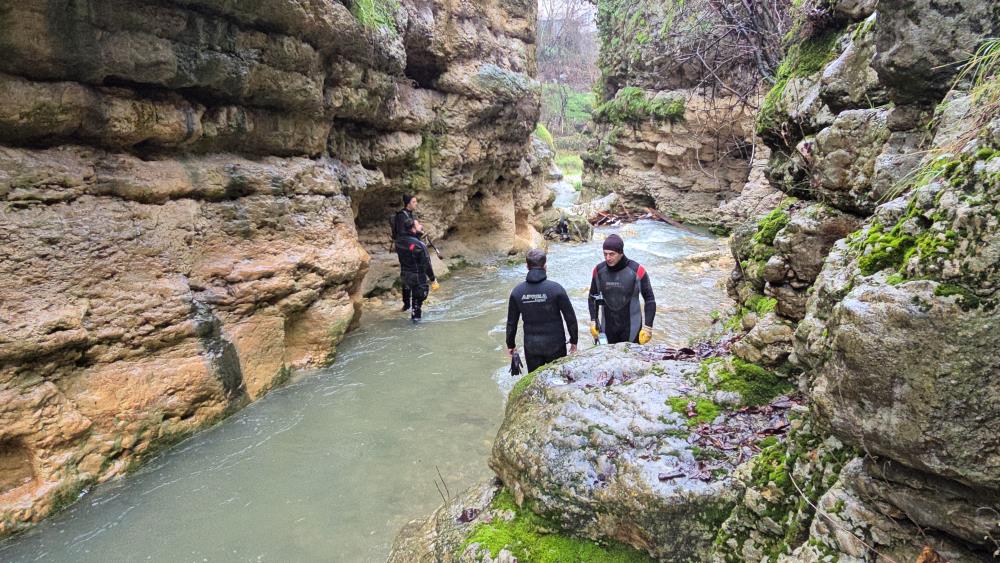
column 516, row 367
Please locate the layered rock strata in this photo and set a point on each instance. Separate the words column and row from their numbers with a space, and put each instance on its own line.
column 674, row 130
column 182, row 188
column 883, row 262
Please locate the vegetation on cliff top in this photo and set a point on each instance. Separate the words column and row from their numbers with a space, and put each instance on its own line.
column 803, row 59
column 632, row 105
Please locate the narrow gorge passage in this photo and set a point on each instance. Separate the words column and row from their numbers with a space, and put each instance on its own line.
column 332, row 465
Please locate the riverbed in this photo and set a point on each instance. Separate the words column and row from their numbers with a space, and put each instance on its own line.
column 329, row 467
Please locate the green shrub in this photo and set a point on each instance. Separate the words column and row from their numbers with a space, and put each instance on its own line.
column 542, row 133
column 376, row 14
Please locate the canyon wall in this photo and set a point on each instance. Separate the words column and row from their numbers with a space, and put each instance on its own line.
column 190, row 192
column 674, row 125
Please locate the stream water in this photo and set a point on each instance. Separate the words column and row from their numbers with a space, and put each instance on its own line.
column 329, row 467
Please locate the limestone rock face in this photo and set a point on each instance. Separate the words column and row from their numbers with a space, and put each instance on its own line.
column 592, row 445
column 699, row 159
column 684, row 169
column 867, row 338
column 190, row 191
column 439, row 537
column 919, row 40
column 888, row 264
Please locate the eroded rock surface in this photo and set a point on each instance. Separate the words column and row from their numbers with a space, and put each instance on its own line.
column 593, row 443
column 886, row 262
column 668, row 132
column 190, row 191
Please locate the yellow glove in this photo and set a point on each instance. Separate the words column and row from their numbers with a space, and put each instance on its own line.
column 593, row 329
column 435, row 286
column 645, row 335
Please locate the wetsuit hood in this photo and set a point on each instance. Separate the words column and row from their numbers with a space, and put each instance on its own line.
column 535, row 275
column 620, row 265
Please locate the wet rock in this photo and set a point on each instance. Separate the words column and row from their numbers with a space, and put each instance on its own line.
column 868, row 337
column 768, row 343
column 440, row 536
column 843, row 158
column 849, row 81
column 779, row 489
column 807, row 238
column 590, row 443
column 189, row 191
column 857, row 526
column 916, row 61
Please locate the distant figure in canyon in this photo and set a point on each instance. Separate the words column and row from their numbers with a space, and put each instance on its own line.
column 545, row 307
column 408, row 212
column 620, row 281
column 414, row 267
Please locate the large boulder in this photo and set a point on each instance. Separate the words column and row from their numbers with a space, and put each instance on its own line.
column 605, row 444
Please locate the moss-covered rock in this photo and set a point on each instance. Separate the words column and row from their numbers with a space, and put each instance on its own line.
column 605, row 444
column 781, row 486
column 900, row 294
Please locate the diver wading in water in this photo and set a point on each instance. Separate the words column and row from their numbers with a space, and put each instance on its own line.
column 398, row 229
column 619, row 282
column 544, row 306
column 414, row 267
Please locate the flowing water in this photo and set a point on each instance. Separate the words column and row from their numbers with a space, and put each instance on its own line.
column 329, row 467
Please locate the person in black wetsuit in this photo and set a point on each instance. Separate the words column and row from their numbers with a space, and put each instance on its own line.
column 620, row 282
column 544, row 306
column 415, row 266
column 399, row 231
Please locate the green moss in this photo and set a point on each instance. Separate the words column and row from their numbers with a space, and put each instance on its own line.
column 631, row 105
column 801, row 60
column 768, row 442
column 530, row 537
column 756, row 385
column 967, row 300
column 705, row 410
column 376, row 14
column 761, row 305
column 707, row 454
column 68, row 494
column 884, row 249
column 895, row 279
column 520, row 386
column 543, row 133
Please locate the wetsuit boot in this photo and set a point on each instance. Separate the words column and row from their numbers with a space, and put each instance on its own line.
column 406, row 299
column 417, row 296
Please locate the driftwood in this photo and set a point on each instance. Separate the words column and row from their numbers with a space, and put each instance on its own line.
column 623, row 215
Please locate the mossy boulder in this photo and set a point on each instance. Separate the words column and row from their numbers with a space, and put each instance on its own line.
column 602, row 444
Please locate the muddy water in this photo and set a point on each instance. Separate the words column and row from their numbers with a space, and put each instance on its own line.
column 329, row 467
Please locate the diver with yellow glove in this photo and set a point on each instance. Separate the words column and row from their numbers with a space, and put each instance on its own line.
column 615, row 287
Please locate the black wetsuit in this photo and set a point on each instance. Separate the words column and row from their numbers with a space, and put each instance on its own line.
column 544, row 306
column 621, row 287
column 415, row 268
column 398, row 232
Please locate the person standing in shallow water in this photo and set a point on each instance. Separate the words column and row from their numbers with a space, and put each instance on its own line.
column 620, row 282
column 415, row 267
column 544, row 306
column 399, row 231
